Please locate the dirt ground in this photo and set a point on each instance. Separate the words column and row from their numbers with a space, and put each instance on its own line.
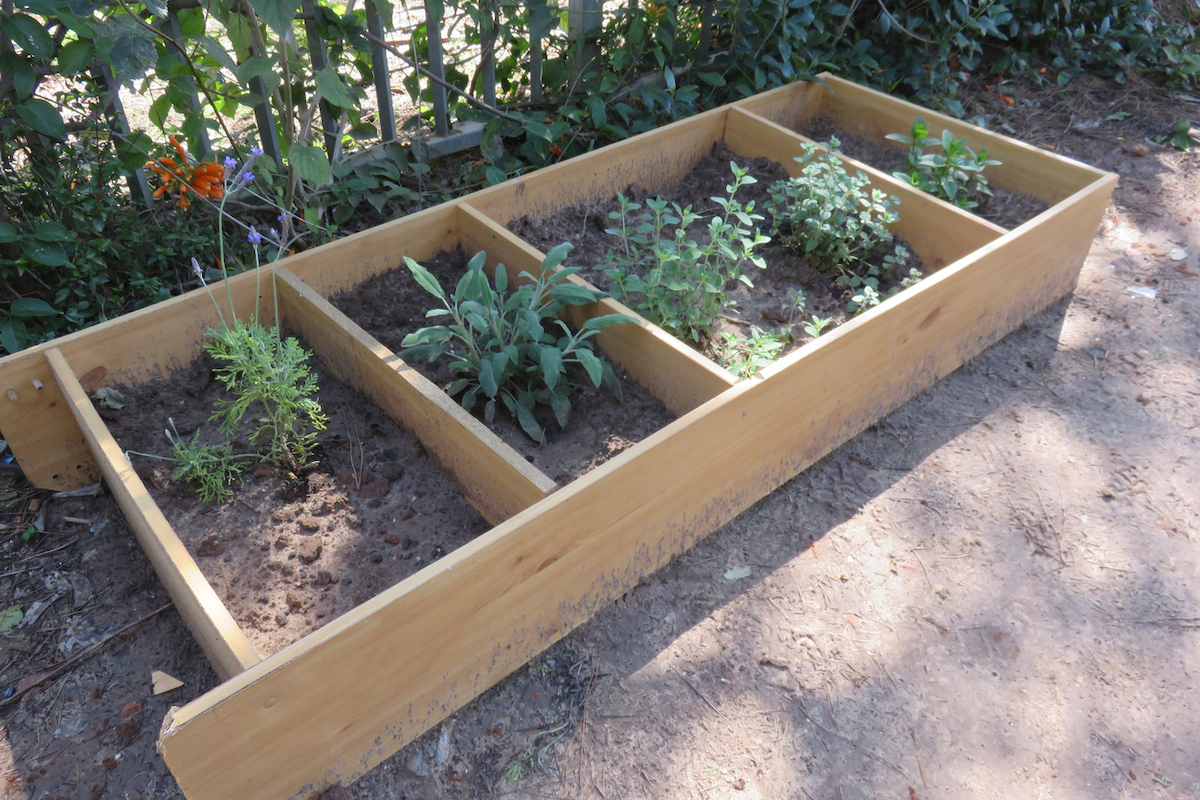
column 994, row 592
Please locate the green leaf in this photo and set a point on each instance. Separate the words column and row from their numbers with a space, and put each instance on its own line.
column 13, row 335
column 30, row 35
column 551, row 362
column 159, row 110
column 556, row 256
column 529, row 424
column 590, row 363
column 74, row 56
column 501, row 278
column 278, row 14
column 45, row 253
column 330, row 84
column 10, row 617
column 425, row 278
column 17, row 66
column 42, row 117
column 218, row 53
column 9, row 233
column 560, row 403
column 52, row 232
column 32, row 307
column 487, row 378
column 259, row 67
column 310, row 163
column 595, row 323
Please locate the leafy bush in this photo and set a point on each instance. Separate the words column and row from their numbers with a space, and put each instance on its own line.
column 830, row 216
column 955, row 174
column 667, row 276
column 504, row 344
column 73, row 249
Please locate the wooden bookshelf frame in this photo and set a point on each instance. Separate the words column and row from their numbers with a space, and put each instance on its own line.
column 333, row 705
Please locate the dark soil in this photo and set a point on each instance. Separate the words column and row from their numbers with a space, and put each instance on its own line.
column 768, row 304
column 392, row 305
column 288, row 554
column 1006, row 209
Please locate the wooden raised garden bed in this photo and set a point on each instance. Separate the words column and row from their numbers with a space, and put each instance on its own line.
column 334, row 704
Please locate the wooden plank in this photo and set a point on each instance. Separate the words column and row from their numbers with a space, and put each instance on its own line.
column 294, row 724
column 494, row 478
column 791, row 106
column 227, row 648
column 676, row 374
column 1024, row 169
column 345, row 263
column 940, row 233
column 655, row 161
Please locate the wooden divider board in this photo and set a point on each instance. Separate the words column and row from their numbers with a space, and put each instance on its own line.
column 496, row 479
column 206, row 617
column 295, row 724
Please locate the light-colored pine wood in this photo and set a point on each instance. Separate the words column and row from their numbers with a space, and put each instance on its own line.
column 673, row 372
column 162, row 683
column 223, row 642
column 654, row 161
column 791, row 105
column 939, row 232
column 345, row 263
column 496, row 479
column 428, row 645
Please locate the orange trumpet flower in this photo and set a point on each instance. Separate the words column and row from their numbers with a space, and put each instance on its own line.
column 205, row 179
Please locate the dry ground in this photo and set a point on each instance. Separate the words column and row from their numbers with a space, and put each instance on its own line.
column 994, row 592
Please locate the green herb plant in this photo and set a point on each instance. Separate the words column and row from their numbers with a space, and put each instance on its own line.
column 830, row 217
column 948, row 169
column 666, row 275
column 508, row 345
column 211, row 468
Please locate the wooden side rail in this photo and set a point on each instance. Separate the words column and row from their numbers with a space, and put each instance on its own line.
column 222, row 640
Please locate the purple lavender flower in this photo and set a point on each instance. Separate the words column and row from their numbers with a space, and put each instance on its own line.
column 256, row 151
column 196, row 268
column 247, row 177
column 230, row 164
column 254, row 236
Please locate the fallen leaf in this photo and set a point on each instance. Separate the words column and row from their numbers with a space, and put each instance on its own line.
column 109, row 397
column 737, row 573
column 131, row 708
column 9, row 618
